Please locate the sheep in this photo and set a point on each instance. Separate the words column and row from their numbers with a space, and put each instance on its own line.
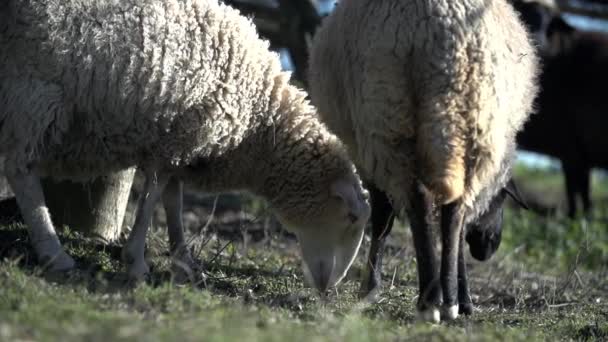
column 427, row 96
column 570, row 120
column 185, row 91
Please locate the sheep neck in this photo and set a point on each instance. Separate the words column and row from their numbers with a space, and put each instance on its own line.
column 295, row 152
column 289, row 152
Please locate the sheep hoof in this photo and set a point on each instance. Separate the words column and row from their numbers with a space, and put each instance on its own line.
column 465, row 309
column 137, row 268
column 430, row 315
column 370, row 287
column 137, row 271
column 58, row 262
column 183, row 267
column 449, row 312
column 51, row 255
column 370, row 293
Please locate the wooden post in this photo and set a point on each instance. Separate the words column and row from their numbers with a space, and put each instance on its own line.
column 96, row 208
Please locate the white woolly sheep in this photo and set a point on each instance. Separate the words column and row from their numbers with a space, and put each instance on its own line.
column 428, row 97
column 184, row 90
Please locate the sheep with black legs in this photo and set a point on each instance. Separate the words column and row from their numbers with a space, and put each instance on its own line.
column 428, row 96
column 184, row 90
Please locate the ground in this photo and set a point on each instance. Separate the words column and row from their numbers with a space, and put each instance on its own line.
column 548, row 281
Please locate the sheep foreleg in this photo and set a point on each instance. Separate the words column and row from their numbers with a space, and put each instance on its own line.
column 133, row 251
column 382, row 223
column 451, row 231
column 182, row 263
column 28, row 191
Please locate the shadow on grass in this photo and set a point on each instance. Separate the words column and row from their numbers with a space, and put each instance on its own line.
column 99, row 269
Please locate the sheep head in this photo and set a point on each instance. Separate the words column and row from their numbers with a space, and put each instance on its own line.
column 485, row 233
column 329, row 238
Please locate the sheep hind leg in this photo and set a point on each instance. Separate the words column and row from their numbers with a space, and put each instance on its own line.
column 465, row 304
column 182, row 265
column 30, row 198
column 419, row 214
column 133, row 251
column 584, row 189
column 571, row 175
column 451, row 235
column 382, row 224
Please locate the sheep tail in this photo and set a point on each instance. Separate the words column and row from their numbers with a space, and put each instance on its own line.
column 441, row 151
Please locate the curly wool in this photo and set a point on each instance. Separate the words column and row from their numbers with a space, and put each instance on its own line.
column 111, row 82
column 434, row 90
column 88, row 87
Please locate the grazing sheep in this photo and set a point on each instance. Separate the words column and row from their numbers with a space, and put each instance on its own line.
column 427, row 96
column 184, row 90
column 572, row 108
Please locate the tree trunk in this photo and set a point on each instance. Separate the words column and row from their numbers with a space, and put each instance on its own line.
column 95, row 208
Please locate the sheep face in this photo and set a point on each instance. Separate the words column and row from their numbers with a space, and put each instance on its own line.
column 331, row 234
column 485, row 233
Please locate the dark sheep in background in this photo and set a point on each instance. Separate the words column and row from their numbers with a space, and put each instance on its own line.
column 572, row 105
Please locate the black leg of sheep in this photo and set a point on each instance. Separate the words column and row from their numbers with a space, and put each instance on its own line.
column 382, row 223
column 420, row 216
column 452, row 217
column 183, row 267
column 584, row 187
column 570, row 175
column 465, row 304
column 577, row 176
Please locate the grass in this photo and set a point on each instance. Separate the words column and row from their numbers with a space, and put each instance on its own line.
column 546, row 185
column 547, row 282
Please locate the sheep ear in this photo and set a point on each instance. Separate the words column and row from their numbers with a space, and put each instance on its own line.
column 354, row 201
column 512, row 191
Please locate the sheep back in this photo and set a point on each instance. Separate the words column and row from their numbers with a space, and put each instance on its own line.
column 110, row 84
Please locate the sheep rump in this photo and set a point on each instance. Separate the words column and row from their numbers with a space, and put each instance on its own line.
column 431, row 93
column 428, row 91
